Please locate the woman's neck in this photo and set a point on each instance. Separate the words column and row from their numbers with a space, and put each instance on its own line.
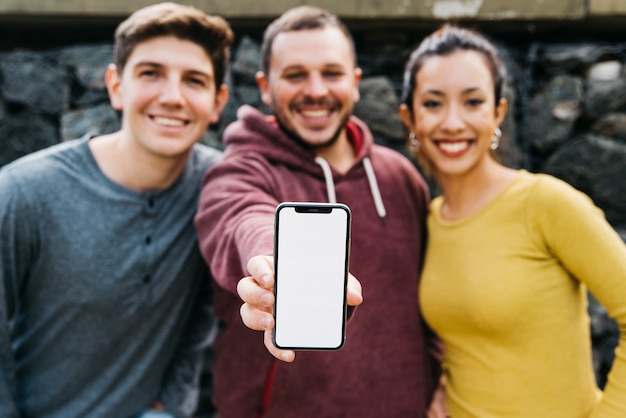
column 468, row 193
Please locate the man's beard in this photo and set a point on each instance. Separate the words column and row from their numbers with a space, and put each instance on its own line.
column 314, row 147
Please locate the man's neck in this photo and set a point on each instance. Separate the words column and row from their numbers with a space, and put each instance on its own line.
column 125, row 163
column 340, row 155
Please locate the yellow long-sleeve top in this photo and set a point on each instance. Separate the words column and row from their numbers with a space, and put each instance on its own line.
column 505, row 289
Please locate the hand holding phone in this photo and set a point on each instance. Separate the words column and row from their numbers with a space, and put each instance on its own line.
column 311, row 256
column 257, row 312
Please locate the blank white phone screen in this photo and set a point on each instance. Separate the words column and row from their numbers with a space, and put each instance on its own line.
column 311, row 275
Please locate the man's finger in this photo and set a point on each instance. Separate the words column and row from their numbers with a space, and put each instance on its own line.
column 251, row 292
column 355, row 293
column 256, row 319
column 284, row 355
column 261, row 268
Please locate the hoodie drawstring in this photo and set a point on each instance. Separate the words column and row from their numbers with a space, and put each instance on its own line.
column 371, row 179
column 328, row 176
column 378, row 199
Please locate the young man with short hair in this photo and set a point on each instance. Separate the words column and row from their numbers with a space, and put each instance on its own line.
column 104, row 297
column 313, row 149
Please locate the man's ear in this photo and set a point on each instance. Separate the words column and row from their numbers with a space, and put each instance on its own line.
column 113, row 81
column 221, row 98
column 358, row 75
column 264, row 88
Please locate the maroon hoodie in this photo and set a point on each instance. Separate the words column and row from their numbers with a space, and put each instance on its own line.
column 387, row 367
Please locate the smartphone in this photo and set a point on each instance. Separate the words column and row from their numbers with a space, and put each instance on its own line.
column 311, row 256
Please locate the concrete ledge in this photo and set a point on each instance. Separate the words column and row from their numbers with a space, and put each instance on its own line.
column 357, row 9
column 607, row 7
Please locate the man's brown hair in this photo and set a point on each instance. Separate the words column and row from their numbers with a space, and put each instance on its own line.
column 301, row 18
column 212, row 33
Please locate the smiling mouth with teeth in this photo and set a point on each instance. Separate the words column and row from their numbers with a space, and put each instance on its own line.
column 453, row 147
column 169, row 121
column 315, row 113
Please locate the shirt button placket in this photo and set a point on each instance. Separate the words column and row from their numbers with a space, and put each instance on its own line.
column 151, row 210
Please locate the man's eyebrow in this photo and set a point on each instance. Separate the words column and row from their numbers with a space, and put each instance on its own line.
column 200, row 73
column 159, row 65
column 148, row 64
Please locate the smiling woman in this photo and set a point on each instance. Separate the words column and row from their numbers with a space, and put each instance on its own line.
column 510, row 254
column 456, row 114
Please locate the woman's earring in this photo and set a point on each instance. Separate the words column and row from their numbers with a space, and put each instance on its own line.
column 414, row 144
column 495, row 139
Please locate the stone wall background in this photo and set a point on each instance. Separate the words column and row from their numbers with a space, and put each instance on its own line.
column 567, row 113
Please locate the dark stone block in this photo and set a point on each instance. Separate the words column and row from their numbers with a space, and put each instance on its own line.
column 246, row 60
column 23, row 133
column 576, row 58
column 605, row 96
column 594, row 165
column 96, row 120
column 34, row 82
column 612, row 125
column 87, row 62
column 86, row 67
column 378, row 108
column 553, row 112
